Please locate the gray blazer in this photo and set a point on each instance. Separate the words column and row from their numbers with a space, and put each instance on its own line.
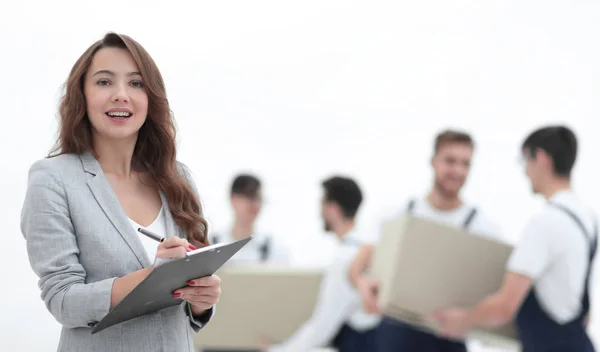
column 79, row 240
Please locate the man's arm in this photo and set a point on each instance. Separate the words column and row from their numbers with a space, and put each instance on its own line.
column 494, row 311
column 334, row 303
column 533, row 254
column 586, row 322
column 501, row 307
column 539, row 245
column 359, row 264
column 366, row 287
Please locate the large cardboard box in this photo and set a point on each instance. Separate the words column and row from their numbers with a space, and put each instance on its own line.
column 423, row 266
column 260, row 301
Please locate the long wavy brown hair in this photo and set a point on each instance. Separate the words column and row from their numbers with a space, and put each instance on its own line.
column 155, row 149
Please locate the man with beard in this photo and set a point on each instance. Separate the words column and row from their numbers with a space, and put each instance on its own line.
column 547, row 280
column 451, row 163
column 338, row 318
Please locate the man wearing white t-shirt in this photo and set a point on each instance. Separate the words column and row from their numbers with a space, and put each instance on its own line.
column 246, row 202
column 548, row 275
column 338, row 318
column 451, row 163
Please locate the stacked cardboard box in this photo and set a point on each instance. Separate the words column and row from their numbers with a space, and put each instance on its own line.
column 260, row 301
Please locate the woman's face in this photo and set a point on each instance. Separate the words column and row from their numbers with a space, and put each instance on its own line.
column 116, row 99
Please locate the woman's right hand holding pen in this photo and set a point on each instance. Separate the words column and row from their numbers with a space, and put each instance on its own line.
column 172, row 248
column 169, row 249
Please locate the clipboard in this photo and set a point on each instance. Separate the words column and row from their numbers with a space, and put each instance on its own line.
column 155, row 292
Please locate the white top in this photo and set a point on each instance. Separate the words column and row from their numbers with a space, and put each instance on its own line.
column 251, row 253
column 480, row 224
column 338, row 302
column 158, row 226
column 553, row 252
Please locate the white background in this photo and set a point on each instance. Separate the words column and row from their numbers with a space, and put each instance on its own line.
column 297, row 91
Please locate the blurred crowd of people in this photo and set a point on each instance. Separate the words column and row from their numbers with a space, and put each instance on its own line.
column 347, row 316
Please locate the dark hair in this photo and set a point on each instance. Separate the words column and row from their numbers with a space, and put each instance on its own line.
column 452, row 137
column 246, row 185
column 345, row 192
column 155, row 149
column 559, row 142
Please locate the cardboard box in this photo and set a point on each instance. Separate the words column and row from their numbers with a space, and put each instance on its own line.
column 423, row 266
column 260, row 301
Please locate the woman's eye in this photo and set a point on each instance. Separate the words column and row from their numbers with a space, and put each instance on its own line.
column 103, row 82
column 137, row 84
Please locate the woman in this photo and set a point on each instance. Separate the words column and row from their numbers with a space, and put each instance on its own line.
column 114, row 169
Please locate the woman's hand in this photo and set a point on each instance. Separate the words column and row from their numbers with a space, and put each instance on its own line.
column 202, row 293
column 172, row 248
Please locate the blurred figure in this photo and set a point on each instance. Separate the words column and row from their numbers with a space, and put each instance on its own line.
column 451, row 163
column 338, row 318
column 246, row 202
column 546, row 287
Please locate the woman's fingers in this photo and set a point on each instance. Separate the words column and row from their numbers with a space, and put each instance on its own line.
column 171, row 253
column 173, row 247
column 175, row 241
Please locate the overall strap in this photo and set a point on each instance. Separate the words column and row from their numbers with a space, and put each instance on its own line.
column 265, row 249
column 469, row 218
column 593, row 245
column 411, row 206
column 594, row 240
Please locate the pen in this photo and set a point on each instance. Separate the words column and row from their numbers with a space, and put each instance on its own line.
column 151, row 235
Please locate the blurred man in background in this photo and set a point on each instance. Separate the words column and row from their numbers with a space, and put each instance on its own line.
column 246, row 202
column 338, row 318
column 451, row 162
column 546, row 286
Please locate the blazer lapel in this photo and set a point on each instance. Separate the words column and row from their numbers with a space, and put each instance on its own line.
column 105, row 196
